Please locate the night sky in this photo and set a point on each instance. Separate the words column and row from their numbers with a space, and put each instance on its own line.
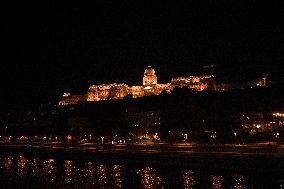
column 48, row 48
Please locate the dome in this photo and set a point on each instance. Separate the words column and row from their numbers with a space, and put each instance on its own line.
column 149, row 71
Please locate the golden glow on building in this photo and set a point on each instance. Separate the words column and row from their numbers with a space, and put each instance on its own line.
column 149, row 77
column 137, row 91
column 107, row 92
column 277, row 114
column 66, row 94
column 116, row 91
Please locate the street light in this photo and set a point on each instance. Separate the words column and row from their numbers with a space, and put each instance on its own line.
column 235, row 134
column 102, row 139
column 185, row 136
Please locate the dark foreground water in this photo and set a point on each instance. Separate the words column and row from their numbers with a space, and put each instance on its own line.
column 24, row 172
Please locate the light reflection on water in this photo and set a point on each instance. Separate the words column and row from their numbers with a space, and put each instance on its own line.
column 217, row 181
column 24, row 172
column 7, row 160
column 68, row 171
column 239, row 181
column 35, row 167
column 22, row 165
column 90, row 174
column 101, row 169
column 188, row 179
column 117, row 174
column 149, row 178
column 49, row 170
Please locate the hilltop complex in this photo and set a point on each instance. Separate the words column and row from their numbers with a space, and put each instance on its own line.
column 150, row 87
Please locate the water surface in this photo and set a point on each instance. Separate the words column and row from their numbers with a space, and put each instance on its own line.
column 33, row 172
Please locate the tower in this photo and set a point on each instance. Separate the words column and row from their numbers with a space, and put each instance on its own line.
column 149, row 77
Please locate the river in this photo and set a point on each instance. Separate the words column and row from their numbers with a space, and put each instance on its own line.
column 18, row 171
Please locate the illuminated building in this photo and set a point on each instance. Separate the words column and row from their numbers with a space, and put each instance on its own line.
column 137, row 91
column 68, row 99
column 107, row 92
column 198, row 83
column 149, row 77
column 116, row 91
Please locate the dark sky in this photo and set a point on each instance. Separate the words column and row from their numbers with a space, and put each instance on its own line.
column 48, row 48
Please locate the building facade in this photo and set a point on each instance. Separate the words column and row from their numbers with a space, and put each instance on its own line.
column 68, row 99
column 117, row 91
column 107, row 91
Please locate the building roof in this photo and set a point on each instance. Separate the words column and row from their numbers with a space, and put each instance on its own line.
column 149, row 71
